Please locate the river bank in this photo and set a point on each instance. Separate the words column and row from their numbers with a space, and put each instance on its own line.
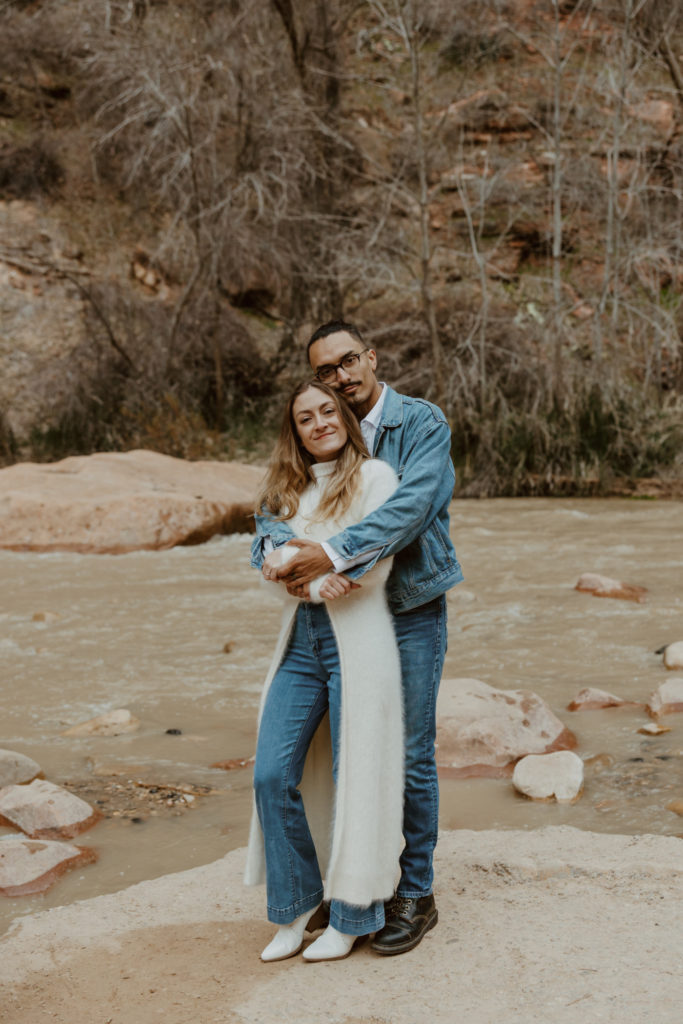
column 553, row 924
column 183, row 638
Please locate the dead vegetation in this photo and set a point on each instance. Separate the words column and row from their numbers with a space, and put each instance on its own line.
column 491, row 189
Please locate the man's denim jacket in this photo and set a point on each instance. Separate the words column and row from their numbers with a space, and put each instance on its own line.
column 415, row 439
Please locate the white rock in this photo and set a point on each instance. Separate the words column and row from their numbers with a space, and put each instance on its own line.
column 591, row 699
column 32, row 865
column 481, row 730
column 667, row 698
column 673, row 655
column 544, row 776
column 43, row 810
column 16, row 768
column 653, row 729
column 112, row 723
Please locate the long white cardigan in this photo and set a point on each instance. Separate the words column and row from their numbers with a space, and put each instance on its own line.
column 358, row 835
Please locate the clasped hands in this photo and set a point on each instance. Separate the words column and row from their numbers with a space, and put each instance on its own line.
column 298, row 573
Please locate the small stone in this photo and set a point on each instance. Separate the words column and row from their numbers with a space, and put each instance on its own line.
column 599, row 762
column 604, row 586
column 112, row 723
column 654, row 729
column 590, row 699
column 16, row 768
column 673, row 655
column 29, row 866
column 45, row 616
column 45, row 811
column 667, row 698
column 676, row 806
column 233, row 762
column 174, row 732
column 228, row 647
column 543, row 776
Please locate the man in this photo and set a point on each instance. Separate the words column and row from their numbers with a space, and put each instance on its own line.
column 412, row 435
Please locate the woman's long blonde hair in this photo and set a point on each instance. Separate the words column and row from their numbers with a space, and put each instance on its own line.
column 289, row 469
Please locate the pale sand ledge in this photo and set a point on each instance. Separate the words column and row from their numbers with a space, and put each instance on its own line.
column 555, row 924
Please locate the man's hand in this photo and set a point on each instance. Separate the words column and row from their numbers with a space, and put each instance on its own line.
column 336, row 585
column 303, row 592
column 309, row 563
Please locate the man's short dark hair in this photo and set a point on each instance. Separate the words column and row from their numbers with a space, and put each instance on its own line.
column 334, row 327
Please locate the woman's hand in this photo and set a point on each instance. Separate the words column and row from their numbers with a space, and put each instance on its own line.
column 336, row 585
column 271, row 563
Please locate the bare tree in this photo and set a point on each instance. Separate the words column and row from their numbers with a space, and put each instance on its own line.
column 558, row 46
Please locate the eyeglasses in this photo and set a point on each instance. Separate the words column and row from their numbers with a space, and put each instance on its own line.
column 328, row 373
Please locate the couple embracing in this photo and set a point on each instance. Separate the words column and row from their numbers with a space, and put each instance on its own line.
column 353, row 528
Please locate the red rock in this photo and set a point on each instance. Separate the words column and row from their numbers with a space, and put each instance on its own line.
column 28, row 866
column 114, row 502
column 44, row 811
column 604, row 586
column 482, row 731
column 659, row 113
column 591, row 700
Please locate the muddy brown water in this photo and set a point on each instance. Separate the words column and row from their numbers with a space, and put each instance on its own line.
column 183, row 639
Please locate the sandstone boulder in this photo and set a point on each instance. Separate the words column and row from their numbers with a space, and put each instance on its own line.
column 44, row 811
column 483, row 731
column 603, row 586
column 112, row 723
column 16, row 768
column 590, row 699
column 673, row 656
column 113, row 502
column 667, row 698
column 544, row 776
column 29, row 866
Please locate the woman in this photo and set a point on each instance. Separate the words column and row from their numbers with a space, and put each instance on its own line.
column 337, row 652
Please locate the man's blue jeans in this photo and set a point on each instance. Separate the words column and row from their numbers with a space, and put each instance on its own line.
column 307, row 683
column 422, row 641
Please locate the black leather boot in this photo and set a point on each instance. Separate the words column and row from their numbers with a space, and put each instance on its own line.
column 407, row 920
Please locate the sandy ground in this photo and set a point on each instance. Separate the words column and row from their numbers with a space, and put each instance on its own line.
column 551, row 925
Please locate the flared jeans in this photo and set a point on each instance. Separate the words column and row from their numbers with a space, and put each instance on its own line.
column 306, row 685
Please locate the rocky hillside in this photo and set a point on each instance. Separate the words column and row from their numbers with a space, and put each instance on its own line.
column 490, row 189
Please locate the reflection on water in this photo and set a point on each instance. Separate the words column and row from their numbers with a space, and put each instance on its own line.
column 147, row 631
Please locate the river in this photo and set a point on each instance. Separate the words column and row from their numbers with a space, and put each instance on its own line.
column 183, row 639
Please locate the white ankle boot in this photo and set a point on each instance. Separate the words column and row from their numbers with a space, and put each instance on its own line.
column 332, row 945
column 289, row 938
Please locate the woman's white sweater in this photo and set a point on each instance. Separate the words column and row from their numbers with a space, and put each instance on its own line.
column 358, row 835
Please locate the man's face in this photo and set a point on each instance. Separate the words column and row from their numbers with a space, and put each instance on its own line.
column 357, row 384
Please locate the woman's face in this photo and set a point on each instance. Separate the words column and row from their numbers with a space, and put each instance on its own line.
column 319, row 425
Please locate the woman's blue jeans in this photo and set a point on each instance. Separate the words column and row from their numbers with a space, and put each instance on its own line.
column 306, row 685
